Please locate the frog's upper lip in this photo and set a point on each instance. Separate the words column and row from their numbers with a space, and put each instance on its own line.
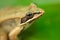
column 35, row 17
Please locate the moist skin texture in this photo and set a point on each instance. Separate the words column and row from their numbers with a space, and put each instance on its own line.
column 15, row 19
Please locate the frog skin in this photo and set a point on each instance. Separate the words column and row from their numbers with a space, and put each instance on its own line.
column 15, row 19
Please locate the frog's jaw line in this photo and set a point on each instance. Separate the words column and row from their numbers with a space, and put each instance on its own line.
column 37, row 16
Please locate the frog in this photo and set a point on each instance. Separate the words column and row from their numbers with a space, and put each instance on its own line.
column 14, row 20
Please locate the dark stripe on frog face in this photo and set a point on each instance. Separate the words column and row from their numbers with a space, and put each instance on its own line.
column 28, row 16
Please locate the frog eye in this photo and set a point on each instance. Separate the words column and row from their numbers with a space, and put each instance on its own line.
column 29, row 15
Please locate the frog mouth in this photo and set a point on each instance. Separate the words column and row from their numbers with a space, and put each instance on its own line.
column 29, row 19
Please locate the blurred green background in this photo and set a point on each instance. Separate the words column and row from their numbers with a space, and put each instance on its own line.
column 45, row 28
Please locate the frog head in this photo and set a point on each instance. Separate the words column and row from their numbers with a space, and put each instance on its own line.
column 32, row 13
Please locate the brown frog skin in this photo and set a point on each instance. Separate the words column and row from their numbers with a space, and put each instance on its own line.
column 15, row 19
